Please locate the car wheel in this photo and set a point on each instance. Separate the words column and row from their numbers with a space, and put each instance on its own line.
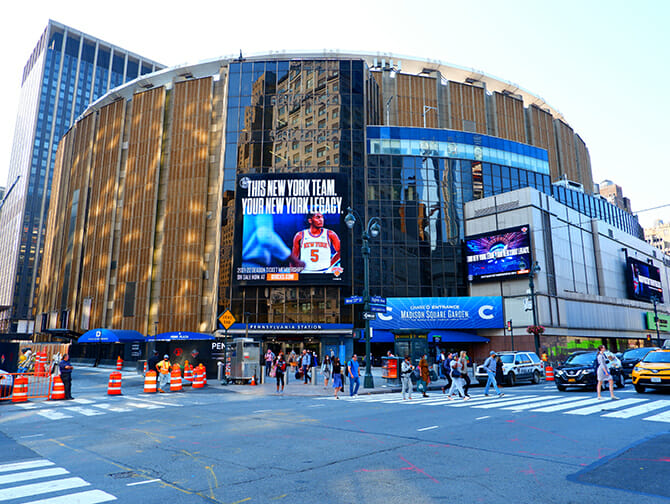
column 639, row 389
column 511, row 379
column 536, row 377
column 560, row 388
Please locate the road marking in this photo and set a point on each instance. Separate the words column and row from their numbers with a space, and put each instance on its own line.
column 20, row 466
column 89, row 497
column 482, row 417
column 109, row 407
column 492, row 403
column 85, row 411
column 143, row 482
column 560, row 407
column 661, row 417
column 511, row 401
column 428, row 428
column 32, row 436
column 82, row 401
column 534, row 403
column 638, row 410
column 28, row 475
column 144, row 405
column 262, row 411
column 41, row 488
column 53, row 415
column 604, row 405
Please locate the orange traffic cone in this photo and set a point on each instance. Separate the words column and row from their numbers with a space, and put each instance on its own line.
column 253, row 381
column 59, row 389
column 119, row 363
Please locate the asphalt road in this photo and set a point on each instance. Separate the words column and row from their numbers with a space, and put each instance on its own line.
column 216, row 445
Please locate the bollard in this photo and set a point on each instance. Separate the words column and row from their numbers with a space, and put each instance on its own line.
column 262, row 373
column 313, row 371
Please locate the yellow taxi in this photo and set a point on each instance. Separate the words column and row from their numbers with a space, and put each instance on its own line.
column 653, row 371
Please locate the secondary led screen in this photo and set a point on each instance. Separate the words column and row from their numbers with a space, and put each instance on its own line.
column 290, row 229
column 644, row 281
column 501, row 254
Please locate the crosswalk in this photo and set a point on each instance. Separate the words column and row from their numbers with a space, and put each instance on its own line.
column 579, row 405
column 59, row 410
column 40, row 481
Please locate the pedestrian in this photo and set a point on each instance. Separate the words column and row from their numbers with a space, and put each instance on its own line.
column 315, row 359
column 326, row 370
column 425, row 374
column 446, row 366
column 163, row 373
column 464, row 362
column 604, row 373
column 354, row 376
column 490, row 367
column 406, row 370
column 457, row 380
column 280, row 369
column 269, row 360
column 153, row 361
column 337, row 376
column 306, row 362
column 389, row 354
column 65, row 368
column 25, row 361
column 442, row 371
column 500, row 372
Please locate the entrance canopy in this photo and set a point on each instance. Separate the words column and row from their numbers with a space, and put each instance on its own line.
column 455, row 337
column 110, row 336
column 180, row 336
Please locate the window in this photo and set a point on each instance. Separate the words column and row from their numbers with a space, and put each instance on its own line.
column 129, row 300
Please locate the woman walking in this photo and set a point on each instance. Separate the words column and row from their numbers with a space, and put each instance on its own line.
column 457, row 381
column 604, row 373
column 425, row 374
column 463, row 363
column 280, row 369
column 500, row 374
column 326, row 370
column 337, row 376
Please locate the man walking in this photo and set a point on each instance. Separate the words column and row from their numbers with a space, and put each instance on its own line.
column 306, row 363
column 354, row 373
column 164, row 373
column 65, row 369
column 406, row 369
column 490, row 366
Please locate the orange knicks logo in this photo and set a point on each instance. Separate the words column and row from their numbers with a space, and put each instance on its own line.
column 337, row 271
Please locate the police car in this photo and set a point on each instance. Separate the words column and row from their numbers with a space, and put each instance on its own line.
column 517, row 366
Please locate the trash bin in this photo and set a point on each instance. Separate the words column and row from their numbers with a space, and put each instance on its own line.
column 391, row 370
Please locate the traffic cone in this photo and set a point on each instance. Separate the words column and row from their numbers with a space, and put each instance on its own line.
column 253, row 381
column 58, row 389
column 119, row 363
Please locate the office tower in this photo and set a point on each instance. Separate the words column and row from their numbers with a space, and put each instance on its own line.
column 66, row 72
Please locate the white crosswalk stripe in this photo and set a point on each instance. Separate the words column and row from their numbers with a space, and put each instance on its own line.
column 31, row 479
column 578, row 405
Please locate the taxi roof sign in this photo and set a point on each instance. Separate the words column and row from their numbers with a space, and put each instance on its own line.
column 227, row 319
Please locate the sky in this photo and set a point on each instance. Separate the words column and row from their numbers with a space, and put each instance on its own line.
column 602, row 63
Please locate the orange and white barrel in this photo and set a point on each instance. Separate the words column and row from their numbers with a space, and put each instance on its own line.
column 114, row 387
column 58, row 391
column 20, row 393
column 198, row 378
column 150, row 382
column 549, row 373
column 175, row 380
column 203, row 372
column 119, row 363
column 188, row 374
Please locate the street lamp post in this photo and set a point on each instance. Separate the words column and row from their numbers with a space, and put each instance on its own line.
column 654, row 299
column 371, row 230
column 535, row 268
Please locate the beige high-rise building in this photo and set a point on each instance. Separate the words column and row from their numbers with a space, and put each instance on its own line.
column 614, row 194
column 659, row 236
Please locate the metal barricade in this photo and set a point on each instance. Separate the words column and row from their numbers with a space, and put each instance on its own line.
column 39, row 387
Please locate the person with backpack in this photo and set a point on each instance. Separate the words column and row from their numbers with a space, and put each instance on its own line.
column 337, row 376
column 457, row 380
column 425, row 375
column 280, row 369
column 406, row 369
column 464, row 361
column 354, row 373
column 446, row 366
column 490, row 367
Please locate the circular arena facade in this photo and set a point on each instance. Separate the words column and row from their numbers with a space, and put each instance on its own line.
column 189, row 191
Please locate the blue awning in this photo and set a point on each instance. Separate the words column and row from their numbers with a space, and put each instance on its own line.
column 456, row 337
column 379, row 336
column 180, row 336
column 110, row 336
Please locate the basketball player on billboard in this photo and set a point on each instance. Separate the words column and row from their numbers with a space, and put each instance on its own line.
column 317, row 247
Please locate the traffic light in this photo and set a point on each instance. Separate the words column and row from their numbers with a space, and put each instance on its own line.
column 509, row 325
column 648, row 337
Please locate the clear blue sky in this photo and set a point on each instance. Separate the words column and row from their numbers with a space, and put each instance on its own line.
column 603, row 64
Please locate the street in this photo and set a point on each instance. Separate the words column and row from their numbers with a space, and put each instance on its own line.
column 240, row 444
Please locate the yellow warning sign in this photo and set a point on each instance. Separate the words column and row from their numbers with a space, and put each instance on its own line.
column 227, row 319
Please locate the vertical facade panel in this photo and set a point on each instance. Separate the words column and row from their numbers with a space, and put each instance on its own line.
column 542, row 135
column 186, row 188
column 138, row 215
column 103, row 192
column 467, row 107
column 510, row 117
column 583, row 164
column 565, row 140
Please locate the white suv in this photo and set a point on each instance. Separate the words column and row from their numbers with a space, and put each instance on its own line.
column 516, row 366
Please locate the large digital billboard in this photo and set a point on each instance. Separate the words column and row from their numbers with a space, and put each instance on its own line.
column 644, row 281
column 499, row 254
column 290, row 229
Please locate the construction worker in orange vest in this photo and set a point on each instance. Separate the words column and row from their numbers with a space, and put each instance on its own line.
column 164, row 370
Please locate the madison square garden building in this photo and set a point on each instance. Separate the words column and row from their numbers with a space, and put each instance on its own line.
column 192, row 190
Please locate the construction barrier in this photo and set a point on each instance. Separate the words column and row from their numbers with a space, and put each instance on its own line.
column 41, row 364
column 119, row 363
column 58, row 391
column 20, row 393
column 150, row 382
column 203, row 372
column 114, row 387
column 549, row 373
column 146, row 367
column 188, row 374
column 175, row 381
column 198, row 380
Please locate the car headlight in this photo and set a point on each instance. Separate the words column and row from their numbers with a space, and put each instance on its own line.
column 587, row 371
column 637, row 368
column 559, row 372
